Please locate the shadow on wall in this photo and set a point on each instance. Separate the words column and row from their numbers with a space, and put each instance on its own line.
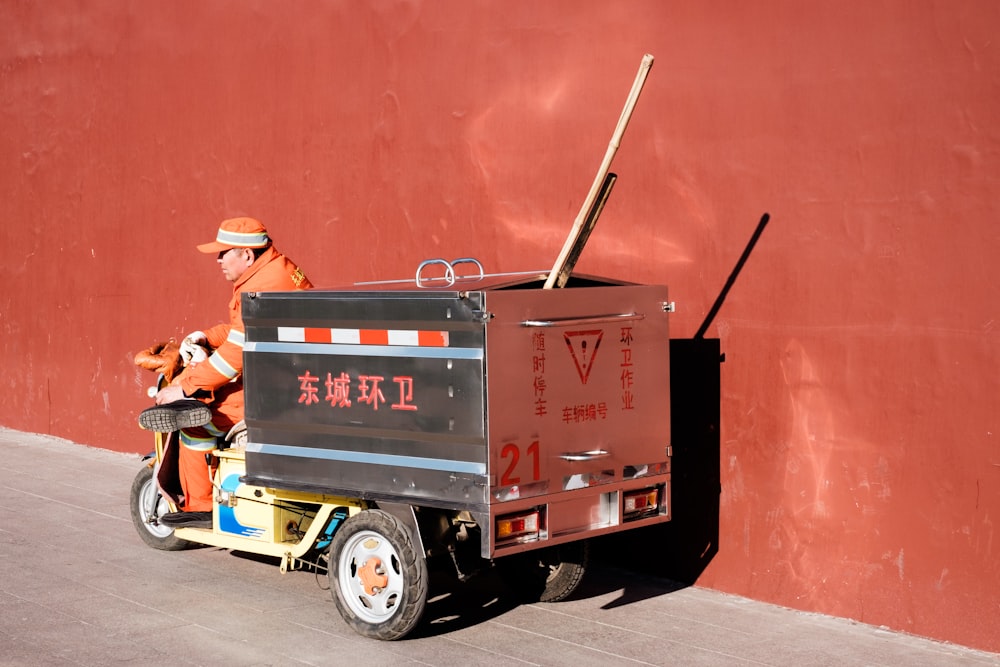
column 682, row 548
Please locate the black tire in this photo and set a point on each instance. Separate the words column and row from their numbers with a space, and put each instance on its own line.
column 147, row 505
column 546, row 575
column 376, row 546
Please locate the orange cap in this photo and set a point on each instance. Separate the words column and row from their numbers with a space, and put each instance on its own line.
column 238, row 233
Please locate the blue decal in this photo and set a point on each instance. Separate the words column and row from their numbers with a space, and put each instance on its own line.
column 227, row 516
column 339, row 514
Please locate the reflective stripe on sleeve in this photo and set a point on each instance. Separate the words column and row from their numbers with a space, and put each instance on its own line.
column 236, row 337
column 222, row 366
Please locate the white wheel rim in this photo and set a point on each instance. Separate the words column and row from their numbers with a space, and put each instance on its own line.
column 146, row 496
column 367, row 557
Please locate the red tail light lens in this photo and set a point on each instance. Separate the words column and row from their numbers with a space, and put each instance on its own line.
column 520, row 525
column 643, row 502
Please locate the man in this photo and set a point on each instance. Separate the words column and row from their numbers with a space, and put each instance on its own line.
column 249, row 260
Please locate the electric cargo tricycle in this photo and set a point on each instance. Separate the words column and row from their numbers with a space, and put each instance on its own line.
column 479, row 421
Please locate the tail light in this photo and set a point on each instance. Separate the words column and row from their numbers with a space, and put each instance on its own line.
column 522, row 526
column 641, row 502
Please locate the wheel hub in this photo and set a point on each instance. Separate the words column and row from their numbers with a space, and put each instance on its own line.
column 372, row 576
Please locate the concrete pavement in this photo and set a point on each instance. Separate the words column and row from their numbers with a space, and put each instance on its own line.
column 78, row 587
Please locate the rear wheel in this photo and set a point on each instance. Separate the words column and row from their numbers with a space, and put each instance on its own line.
column 546, row 575
column 377, row 577
column 147, row 506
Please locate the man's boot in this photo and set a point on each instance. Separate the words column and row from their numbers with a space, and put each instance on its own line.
column 174, row 416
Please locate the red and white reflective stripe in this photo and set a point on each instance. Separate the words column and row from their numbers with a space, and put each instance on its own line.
column 408, row 337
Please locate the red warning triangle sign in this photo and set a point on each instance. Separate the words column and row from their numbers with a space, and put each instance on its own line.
column 583, row 348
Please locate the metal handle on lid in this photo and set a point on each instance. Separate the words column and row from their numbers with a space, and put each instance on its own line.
column 467, row 260
column 449, row 272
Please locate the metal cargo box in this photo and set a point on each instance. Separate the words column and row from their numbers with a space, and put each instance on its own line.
column 491, row 398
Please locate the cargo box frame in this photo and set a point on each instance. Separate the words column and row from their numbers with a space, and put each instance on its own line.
column 467, row 403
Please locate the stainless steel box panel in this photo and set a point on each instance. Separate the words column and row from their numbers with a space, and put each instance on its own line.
column 577, row 386
column 482, row 398
column 374, row 394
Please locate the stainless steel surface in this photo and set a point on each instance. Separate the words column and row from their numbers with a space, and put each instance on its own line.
column 577, row 321
column 496, row 397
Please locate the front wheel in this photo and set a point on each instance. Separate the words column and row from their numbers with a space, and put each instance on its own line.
column 147, row 507
column 377, row 577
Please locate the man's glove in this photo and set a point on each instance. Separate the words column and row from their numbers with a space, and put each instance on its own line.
column 162, row 358
column 193, row 348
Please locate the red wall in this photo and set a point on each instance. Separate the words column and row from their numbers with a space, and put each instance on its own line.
column 860, row 464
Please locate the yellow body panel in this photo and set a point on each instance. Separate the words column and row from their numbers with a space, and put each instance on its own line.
column 260, row 520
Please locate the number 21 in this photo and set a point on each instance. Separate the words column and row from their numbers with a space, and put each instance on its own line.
column 514, row 452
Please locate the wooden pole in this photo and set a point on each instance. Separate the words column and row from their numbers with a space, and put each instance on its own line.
column 574, row 234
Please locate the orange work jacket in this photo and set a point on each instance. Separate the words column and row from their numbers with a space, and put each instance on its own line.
column 271, row 272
